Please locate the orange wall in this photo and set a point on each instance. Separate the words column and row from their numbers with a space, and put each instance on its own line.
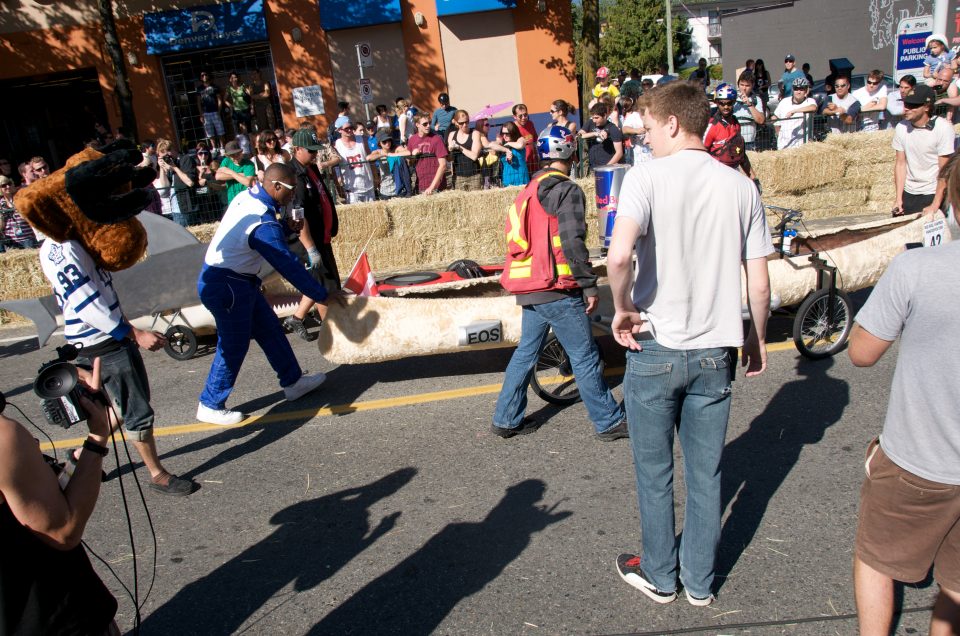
column 425, row 69
column 300, row 64
column 151, row 105
column 545, row 54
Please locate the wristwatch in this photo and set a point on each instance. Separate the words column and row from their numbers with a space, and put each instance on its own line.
column 93, row 447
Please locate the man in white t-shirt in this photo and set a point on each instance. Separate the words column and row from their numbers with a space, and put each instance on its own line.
column 923, row 144
column 790, row 115
column 873, row 101
column 681, row 323
column 837, row 109
column 357, row 176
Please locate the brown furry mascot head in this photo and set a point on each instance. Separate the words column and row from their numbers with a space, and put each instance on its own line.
column 94, row 200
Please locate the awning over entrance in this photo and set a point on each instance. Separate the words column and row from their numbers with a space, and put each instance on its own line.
column 455, row 7
column 204, row 26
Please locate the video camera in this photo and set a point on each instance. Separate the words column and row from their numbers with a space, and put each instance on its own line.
column 59, row 389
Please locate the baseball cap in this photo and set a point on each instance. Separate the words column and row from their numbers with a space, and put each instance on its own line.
column 232, row 148
column 383, row 134
column 789, row 58
column 443, row 98
column 304, row 138
column 370, row 124
column 920, row 95
column 340, row 122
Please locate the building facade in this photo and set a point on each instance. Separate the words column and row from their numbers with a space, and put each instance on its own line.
column 56, row 74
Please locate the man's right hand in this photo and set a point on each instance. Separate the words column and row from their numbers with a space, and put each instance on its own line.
column 625, row 325
column 149, row 340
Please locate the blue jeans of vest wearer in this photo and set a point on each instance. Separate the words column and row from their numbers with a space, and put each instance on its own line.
column 571, row 325
column 687, row 393
column 241, row 312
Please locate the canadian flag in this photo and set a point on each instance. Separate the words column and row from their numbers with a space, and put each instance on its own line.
column 360, row 281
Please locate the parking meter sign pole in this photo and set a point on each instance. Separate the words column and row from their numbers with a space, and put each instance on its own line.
column 608, row 180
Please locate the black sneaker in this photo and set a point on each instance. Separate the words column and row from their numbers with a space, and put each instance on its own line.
column 526, row 427
column 292, row 324
column 617, row 432
column 628, row 567
column 176, row 486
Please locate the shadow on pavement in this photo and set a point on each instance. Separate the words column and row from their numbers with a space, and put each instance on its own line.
column 755, row 465
column 312, row 541
column 416, row 595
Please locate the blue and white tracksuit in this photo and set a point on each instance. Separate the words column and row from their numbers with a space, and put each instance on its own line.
column 230, row 289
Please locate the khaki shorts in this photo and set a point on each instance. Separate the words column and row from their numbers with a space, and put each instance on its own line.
column 908, row 523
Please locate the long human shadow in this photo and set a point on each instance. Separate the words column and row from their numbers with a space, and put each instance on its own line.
column 755, row 465
column 414, row 596
column 312, row 541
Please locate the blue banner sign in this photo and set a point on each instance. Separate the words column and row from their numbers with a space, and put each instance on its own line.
column 911, row 46
column 348, row 14
column 205, row 26
column 454, row 7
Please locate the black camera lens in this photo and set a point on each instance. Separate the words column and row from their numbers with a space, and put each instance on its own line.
column 55, row 380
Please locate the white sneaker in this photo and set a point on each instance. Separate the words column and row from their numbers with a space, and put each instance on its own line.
column 304, row 385
column 223, row 417
column 699, row 602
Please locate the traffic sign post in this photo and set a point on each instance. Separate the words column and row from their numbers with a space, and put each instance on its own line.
column 366, row 92
column 365, row 54
column 365, row 59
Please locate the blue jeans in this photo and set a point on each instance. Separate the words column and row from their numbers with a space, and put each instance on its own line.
column 571, row 325
column 241, row 312
column 667, row 390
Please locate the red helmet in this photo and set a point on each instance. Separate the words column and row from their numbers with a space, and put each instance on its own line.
column 602, row 72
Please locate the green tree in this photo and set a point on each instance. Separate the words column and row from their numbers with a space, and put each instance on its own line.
column 588, row 44
column 636, row 36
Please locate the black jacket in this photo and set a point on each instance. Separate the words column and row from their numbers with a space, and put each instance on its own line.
column 305, row 195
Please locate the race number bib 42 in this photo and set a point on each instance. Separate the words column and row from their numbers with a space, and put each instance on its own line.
column 935, row 233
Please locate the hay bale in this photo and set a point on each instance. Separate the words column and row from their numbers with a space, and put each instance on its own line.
column 796, row 170
column 362, row 221
column 205, row 232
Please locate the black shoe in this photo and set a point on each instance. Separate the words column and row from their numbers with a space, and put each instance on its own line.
column 617, row 432
column 294, row 325
column 628, row 567
column 526, row 427
column 176, row 486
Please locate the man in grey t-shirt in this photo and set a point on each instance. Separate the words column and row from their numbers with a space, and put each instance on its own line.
column 910, row 501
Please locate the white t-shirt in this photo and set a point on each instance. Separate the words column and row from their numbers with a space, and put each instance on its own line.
column 869, row 122
column 641, row 151
column 692, row 241
column 895, row 103
column 791, row 130
column 357, row 177
column 923, row 147
column 743, row 114
column 835, row 124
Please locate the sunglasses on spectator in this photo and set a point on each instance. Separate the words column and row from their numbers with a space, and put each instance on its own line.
column 423, row 123
column 203, row 152
column 269, row 139
column 554, row 110
column 462, row 122
column 285, row 185
column 724, row 102
column 872, row 83
column 841, row 86
column 348, row 129
column 7, row 185
column 40, row 168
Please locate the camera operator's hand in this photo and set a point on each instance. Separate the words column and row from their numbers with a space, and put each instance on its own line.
column 149, row 340
column 101, row 418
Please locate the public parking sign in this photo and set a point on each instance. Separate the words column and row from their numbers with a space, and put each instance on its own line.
column 911, row 48
column 366, row 91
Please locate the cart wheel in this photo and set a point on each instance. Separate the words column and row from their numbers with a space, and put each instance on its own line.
column 181, row 342
column 552, row 378
column 814, row 334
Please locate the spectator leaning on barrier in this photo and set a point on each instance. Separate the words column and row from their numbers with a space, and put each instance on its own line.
column 17, row 233
column 464, row 146
column 748, row 110
column 605, row 141
column 440, row 123
column 679, row 314
column 431, row 171
column 839, row 105
column 513, row 164
column 910, row 500
column 873, row 101
column 895, row 97
column 923, row 143
column 790, row 115
column 236, row 171
column 521, row 117
column 357, row 176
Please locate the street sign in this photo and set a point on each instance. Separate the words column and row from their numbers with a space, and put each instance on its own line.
column 366, row 91
column 365, row 54
column 911, row 46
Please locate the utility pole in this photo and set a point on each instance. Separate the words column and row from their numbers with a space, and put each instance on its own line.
column 669, row 21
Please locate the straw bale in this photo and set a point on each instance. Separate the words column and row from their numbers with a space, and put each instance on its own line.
column 796, row 170
column 832, row 211
column 389, row 253
column 451, row 213
column 361, row 221
column 205, row 232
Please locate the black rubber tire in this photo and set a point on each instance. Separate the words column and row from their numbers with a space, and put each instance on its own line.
column 181, row 342
column 553, row 360
column 413, row 278
column 816, row 339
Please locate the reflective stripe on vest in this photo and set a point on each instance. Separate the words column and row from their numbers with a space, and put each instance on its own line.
column 535, row 259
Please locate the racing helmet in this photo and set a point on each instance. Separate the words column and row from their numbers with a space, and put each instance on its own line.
column 724, row 92
column 602, row 72
column 555, row 142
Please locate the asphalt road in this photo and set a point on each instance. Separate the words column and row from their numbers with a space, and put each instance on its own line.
column 382, row 504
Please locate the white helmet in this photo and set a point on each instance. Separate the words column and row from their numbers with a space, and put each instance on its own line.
column 555, row 142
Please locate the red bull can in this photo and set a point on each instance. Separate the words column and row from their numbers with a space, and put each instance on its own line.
column 608, row 180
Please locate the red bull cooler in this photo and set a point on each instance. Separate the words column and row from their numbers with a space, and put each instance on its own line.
column 608, row 180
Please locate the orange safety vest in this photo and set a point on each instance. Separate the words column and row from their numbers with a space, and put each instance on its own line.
column 535, row 260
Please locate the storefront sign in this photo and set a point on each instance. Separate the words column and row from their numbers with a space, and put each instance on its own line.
column 205, row 26
column 454, row 7
column 308, row 100
column 348, row 14
column 911, row 47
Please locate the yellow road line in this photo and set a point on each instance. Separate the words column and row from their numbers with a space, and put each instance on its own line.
column 342, row 409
